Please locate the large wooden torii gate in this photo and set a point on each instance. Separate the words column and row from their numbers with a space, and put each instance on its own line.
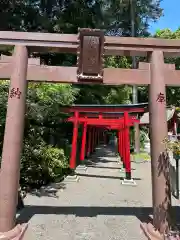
column 90, row 46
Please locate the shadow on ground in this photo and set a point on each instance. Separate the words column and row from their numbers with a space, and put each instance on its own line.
column 49, row 191
column 102, row 176
column 103, row 167
column 97, row 166
column 142, row 213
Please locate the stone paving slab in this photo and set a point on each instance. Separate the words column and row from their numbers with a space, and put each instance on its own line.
column 97, row 207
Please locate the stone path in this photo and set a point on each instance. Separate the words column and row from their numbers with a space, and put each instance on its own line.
column 97, row 207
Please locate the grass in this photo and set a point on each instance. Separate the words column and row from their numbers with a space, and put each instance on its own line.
column 141, row 156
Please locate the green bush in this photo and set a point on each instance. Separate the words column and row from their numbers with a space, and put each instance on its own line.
column 41, row 165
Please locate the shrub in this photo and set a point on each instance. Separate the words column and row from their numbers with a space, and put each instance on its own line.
column 42, row 164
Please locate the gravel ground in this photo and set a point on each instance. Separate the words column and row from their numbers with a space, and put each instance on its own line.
column 97, row 207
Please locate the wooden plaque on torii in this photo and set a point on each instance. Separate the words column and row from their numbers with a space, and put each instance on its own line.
column 90, row 55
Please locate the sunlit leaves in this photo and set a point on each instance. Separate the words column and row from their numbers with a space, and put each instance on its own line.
column 173, row 93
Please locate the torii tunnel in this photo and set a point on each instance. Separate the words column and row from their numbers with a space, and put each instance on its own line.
column 97, row 120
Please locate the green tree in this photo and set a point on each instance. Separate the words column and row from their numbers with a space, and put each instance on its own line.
column 173, row 93
column 45, row 155
column 68, row 15
column 145, row 11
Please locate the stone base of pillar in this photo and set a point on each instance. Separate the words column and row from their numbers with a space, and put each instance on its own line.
column 16, row 233
column 88, row 162
column 81, row 168
column 71, row 178
column 129, row 182
column 122, row 170
column 98, row 148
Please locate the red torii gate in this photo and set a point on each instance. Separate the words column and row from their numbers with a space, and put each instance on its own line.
column 92, row 115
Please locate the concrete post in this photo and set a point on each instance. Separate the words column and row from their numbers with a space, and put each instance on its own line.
column 158, row 132
column 136, row 138
column 13, row 140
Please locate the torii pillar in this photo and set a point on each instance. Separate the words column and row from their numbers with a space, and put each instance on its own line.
column 158, row 132
column 12, row 145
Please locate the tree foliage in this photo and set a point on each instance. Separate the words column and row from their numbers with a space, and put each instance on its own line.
column 144, row 11
column 173, row 93
column 47, row 138
column 43, row 156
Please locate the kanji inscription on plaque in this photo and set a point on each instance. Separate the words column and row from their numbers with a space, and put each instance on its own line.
column 90, row 55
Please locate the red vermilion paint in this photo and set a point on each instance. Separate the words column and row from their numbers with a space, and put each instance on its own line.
column 83, row 144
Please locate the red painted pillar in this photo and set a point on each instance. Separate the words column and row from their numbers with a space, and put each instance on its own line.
column 93, row 139
column 83, row 144
column 89, row 141
column 127, row 146
column 95, row 135
column 123, row 146
column 119, row 142
column 74, row 142
column 117, row 136
column 86, row 147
